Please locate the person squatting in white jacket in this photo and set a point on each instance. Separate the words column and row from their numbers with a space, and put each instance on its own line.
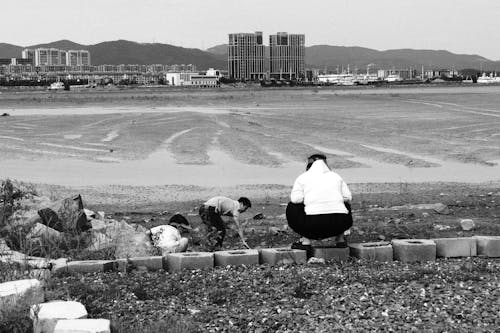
column 320, row 205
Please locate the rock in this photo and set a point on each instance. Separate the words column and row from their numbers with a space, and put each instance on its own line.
column 50, row 218
column 90, row 214
column 12, row 291
column 132, row 242
column 441, row 209
column 83, row 326
column 46, row 315
column 259, row 216
column 467, row 224
column 317, row 261
column 274, row 230
column 70, row 212
column 3, row 246
column 99, row 241
column 41, row 231
column 98, row 225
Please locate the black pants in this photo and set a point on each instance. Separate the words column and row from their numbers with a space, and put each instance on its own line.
column 215, row 230
column 317, row 226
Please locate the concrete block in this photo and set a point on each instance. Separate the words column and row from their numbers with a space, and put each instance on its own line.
column 120, row 265
column 411, row 250
column 151, row 263
column 12, row 291
column 90, row 266
column 46, row 315
column 190, row 260
column 236, row 257
column 83, row 326
column 282, row 256
column 488, row 246
column 372, row 251
column 456, row 247
column 331, row 253
column 59, row 265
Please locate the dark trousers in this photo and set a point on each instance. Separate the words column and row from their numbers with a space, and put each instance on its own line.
column 317, row 226
column 215, row 230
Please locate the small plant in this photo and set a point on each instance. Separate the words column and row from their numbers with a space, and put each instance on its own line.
column 15, row 318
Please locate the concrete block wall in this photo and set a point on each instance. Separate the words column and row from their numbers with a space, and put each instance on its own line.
column 414, row 250
column 406, row 250
column 456, row 247
column 374, row 251
column 488, row 246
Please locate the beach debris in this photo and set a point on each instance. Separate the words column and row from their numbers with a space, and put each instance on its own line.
column 5, row 114
column 259, row 216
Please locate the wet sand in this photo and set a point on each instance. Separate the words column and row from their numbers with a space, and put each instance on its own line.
column 405, row 135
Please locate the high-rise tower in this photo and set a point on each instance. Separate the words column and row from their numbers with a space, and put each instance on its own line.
column 286, row 56
column 246, row 56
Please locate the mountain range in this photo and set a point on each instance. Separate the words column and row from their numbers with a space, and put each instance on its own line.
column 317, row 56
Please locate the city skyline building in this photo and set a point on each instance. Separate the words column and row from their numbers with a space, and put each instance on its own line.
column 78, row 58
column 286, row 56
column 56, row 57
column 246, row 56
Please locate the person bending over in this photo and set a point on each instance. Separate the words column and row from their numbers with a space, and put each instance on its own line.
column 168, row 237
column 320, row 204
column 211, row 212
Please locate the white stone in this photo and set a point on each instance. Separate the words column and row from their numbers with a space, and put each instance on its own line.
column 41, row 230
column 467, row 224
column 83, row 326
column 46, row 315
column 11, row 291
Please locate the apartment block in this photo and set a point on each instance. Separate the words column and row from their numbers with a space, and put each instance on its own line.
column 78, row 58
column 286, row 56
column 246, row 56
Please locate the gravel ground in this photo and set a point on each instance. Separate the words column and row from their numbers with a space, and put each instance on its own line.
column 459, row 295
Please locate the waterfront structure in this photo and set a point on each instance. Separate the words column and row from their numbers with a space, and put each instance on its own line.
column 29, row 54
column 246, row 56
column 78, row 58
column 286, row 56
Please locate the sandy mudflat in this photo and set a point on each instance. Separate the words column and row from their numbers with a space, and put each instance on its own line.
column 161, row 143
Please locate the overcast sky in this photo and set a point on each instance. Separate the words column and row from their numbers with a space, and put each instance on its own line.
column 460, row 26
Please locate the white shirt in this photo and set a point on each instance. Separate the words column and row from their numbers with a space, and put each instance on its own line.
column 165, row 236
column 321, row 190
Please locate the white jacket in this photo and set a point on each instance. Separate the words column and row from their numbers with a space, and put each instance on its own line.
column 321, row 190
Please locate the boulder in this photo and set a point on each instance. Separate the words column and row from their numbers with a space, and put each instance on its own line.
column 40, row 231
column 99, row 241
column 130, row 240
column 66, row 215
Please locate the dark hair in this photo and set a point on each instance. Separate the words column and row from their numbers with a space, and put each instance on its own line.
column 178, row 219
column 313, row 158
column 245, row 201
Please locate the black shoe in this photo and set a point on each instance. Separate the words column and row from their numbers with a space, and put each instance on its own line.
column 307, row 248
